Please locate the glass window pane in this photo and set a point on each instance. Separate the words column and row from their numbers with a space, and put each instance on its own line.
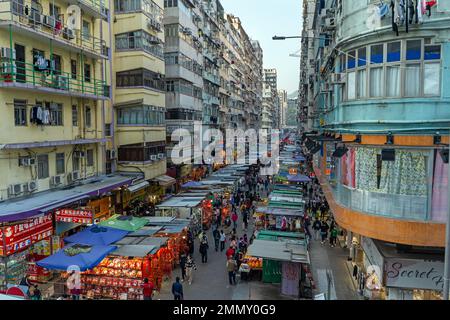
column 376, row 53
column 432, row 79
column 351, row 92
column 412, row 80
column 393, row 81
column 393, row 51
column 432, row 52
column 362, row 56
column 376, row 82
column 362, row 81
column 413, row 49
column 351, row 59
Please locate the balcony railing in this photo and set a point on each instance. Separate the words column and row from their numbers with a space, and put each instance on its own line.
column 25, row 17
column 211, row 77
column 30, row 76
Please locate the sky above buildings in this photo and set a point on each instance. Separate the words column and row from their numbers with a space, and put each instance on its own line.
column 262, row 19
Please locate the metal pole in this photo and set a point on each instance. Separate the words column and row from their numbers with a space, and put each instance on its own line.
column 447, row 250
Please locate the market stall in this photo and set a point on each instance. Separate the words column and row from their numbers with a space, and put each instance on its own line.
column 272, row 218
column 127, row 223
column 285, row 262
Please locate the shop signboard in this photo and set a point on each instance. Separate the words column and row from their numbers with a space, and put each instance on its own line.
column 374, row 257
column 22, row 235
column 414, row 274
column 74, row 216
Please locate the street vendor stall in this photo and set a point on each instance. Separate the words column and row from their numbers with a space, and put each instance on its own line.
column 285, row 262
column 272, row 218
column 127, row 223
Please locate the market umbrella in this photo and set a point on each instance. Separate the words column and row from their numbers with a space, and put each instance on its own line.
column 97, row 235
column 76, row 255
column 192, row 184
column 127, row 223
column 298, row 178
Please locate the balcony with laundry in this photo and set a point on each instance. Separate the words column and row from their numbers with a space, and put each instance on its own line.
column 45, row 75
column 68, row 31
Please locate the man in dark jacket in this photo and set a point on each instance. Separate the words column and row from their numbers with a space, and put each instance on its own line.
column 204, row 249
column 177, row 290
column 183, row 259
column 216, row 235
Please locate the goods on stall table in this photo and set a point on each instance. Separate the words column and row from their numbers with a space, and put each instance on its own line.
column 254, row 263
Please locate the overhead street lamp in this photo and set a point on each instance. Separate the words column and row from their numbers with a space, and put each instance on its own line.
column 296, row 37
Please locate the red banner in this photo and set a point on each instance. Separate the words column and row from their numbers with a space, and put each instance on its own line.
column 22, row 235
column 74, row 215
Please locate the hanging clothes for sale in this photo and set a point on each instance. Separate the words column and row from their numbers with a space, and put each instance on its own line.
column 429, row 5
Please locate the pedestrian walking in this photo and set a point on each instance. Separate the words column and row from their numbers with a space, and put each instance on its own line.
column 223, row 238
column 333, row 237
column 183, row 259
column 216, row 236
column 204, row 249
column 190, row 267
column 231, row 268
column 245, row 220
column 324, row 231
column 177, row 290
column 316, row 227
column 234, row 217
column 148, row 289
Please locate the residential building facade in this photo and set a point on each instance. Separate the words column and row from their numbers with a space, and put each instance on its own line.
column 380, row 90
column 270, row 78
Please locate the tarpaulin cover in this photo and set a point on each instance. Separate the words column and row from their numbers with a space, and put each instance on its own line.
column 192, row 184
column 85, row 261
column 97, row 235
column 298, row 178
column 127, row 223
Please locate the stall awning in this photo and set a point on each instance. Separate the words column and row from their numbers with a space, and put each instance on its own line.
column 87, row 260
column 127, row 223
column 180, row 202
column 165, row 181
column 145, row 231
column 279, row 251
column 139, row 251
column 138, row 186
column 280, row 212
column 97, row 235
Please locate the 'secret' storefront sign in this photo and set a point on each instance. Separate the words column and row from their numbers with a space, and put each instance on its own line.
column 415, row 274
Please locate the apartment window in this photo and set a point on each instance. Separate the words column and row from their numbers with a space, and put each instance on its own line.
column 54, row 11
column 73, row 69
column 393, row 80
column 170, row 3
column 86, row 30
column 87, row 117
column 87, row 72
column 351, row 58
column 42, row 166
column 413, row 49
column 108, row 130
column 377, row 54
column 60, row 163
column 140, row 40
column 75, row 115
column 140, row 115
column 140, row 77
column 148, row 7
column 90, row 157
column 56, row 114
column 362, row 57
column 394, row 51
column 75, row 161
column 412, row 80
column 20, row 112
column 432, row 79
column 362, row 83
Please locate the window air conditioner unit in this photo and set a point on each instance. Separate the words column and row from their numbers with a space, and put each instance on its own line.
column 27, row 162
column 161, row 155
column 49, row 21
column 153, row 157
column 30, row 186
column 68, row 34
column 8, row 53
column 55, row 180
column 15, row 189
column 337, row 78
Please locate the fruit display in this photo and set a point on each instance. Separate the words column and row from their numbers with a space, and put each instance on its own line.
column 254, row 263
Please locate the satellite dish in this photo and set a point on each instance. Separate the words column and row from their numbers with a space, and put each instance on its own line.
column 74, row 17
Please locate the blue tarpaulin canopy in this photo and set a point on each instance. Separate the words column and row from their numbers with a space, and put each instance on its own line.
column 192, row 184
column 299, row 158
column 298, row 178
column 97, row 235
column 87, row 258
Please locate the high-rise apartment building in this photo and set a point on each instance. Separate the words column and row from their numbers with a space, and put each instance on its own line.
column 282, row 96
column 270, row 78
column 381, row 104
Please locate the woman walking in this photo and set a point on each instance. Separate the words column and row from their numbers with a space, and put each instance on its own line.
column 190, row 267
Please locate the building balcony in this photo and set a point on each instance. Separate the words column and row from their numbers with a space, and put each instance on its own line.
column 27, row 76
column 211, row 77
column 209, row 99
column 44, row 28
column 95, row 8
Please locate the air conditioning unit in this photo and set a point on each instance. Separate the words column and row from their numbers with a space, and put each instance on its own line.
column 80, row 154
column 55, row 180
column 30, row 186
column 68, row 34
column 153, row 157
column 161, row 155
column 9, row 67
column 8, row 53
column 49, row 21
column 15, row 189
column 338, row 78
column 111, row 154
column 27, row 162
